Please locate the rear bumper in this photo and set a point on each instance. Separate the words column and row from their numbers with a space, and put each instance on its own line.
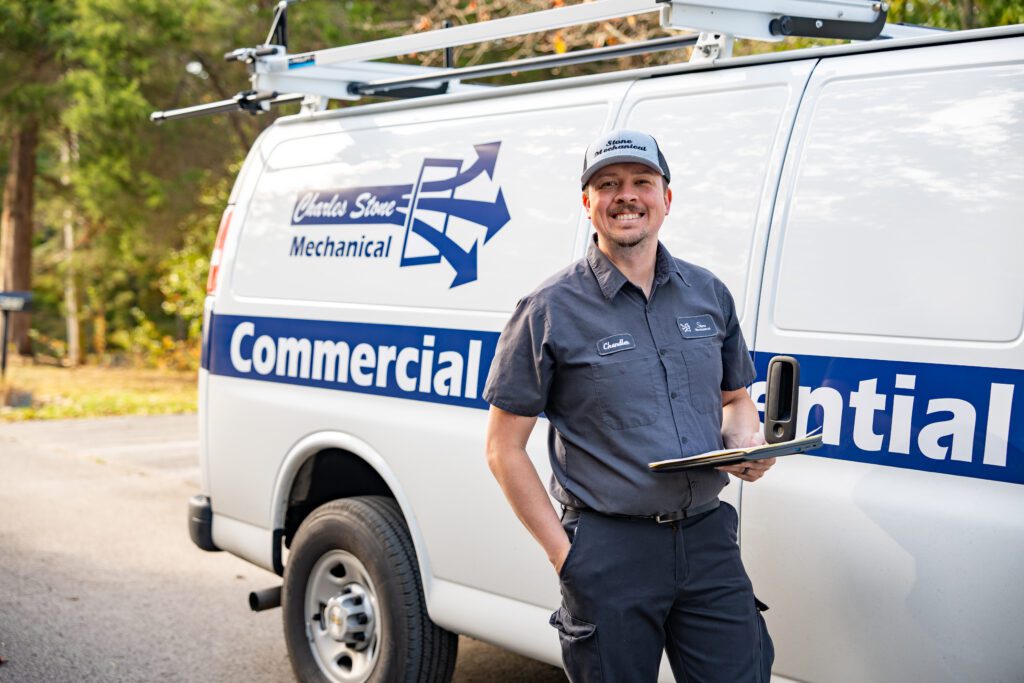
column 200, row 522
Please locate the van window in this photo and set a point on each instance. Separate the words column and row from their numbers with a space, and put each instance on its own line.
column 907, row 207
column 494, row 190
column 718, row 135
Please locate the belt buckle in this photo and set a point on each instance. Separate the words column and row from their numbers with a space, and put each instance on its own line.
column 669, row 517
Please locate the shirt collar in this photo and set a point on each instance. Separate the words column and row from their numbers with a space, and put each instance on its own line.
column 611, row 279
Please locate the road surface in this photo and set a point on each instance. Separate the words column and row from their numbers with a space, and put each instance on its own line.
column 100, row 582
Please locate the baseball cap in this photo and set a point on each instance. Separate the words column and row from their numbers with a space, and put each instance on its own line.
column 623, row 147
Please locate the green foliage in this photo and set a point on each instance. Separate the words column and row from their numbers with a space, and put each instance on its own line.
column 957, row 15
column 144, row 201
column 33, row 38
column 184, row 271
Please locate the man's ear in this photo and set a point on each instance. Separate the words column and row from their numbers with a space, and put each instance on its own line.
column 586, row 201
column 668, row 199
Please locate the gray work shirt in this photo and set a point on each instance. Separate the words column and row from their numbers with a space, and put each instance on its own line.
column 624, row 380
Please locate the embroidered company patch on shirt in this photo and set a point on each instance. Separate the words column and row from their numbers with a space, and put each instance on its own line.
column 615, row 343
column 697, row 326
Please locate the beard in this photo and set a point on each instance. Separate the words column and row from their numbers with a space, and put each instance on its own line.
column 631, row 241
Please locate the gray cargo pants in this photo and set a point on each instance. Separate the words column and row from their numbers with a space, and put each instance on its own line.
column 632, row 588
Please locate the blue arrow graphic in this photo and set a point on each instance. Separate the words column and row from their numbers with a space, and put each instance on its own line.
column 486, row 158
column 464, row 262
column 493, row 215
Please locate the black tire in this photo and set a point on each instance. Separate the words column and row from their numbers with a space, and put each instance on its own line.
column 400, row 642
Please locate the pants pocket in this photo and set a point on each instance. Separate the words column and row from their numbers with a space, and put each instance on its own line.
column 765, row 645
column 571, row 524
column 580, row 653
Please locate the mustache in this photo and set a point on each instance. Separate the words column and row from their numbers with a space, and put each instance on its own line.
column 627, row 208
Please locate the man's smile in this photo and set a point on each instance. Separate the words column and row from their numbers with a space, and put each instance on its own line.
column 627, row 213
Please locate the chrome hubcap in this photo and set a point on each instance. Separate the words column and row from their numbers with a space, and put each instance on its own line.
column 342, row 621
column 349, row 617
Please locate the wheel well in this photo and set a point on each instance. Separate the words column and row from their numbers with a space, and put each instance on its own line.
column 329, row 475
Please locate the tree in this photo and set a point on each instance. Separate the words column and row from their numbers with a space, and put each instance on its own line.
column 32, row 37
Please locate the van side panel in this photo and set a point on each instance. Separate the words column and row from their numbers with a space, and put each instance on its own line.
column 894, row 276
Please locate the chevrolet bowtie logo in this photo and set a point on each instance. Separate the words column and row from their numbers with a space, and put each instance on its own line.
column 410, row 206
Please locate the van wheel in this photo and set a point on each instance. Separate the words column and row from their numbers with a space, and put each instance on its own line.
column 353, row 604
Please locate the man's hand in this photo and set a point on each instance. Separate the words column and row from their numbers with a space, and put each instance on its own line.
column 559, row 560
column 749, row 471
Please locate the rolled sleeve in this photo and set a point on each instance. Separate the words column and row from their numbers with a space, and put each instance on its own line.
column 737, row 366
column 520, row 377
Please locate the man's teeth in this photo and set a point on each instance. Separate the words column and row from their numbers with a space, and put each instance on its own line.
column 627, row 216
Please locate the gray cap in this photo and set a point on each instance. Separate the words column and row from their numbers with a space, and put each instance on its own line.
column 623, row 147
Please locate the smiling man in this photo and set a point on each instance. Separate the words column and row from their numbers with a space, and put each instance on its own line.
column 633, row 356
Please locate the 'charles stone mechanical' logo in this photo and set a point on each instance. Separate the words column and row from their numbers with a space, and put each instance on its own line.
column 424, row 209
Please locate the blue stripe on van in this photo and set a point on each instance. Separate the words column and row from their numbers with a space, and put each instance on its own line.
column 949, row 419
column 437, row 365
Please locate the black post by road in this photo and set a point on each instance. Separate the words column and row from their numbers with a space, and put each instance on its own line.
column 11, row 302
column 3, row 352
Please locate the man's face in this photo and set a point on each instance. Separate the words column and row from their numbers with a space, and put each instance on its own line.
column 627, row 203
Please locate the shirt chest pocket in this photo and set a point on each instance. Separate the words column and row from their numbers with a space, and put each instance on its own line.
column 704, row 375
column 627, row 392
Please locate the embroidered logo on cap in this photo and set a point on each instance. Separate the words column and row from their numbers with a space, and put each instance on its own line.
column 697, row 326
column 615, row 343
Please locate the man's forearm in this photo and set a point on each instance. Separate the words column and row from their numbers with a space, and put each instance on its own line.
column 740, row 420
column 523, row 488
column 741, row 427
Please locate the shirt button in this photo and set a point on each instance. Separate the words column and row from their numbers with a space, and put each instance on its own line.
column 663, row 352
column 683, row 439
column 674, row 394
column 693, row 484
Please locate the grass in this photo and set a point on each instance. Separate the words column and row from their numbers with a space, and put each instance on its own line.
column 41, row 392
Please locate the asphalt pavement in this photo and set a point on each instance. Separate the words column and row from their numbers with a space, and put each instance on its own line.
column 100, row 582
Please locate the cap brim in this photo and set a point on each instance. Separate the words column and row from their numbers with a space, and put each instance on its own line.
column 618, row 159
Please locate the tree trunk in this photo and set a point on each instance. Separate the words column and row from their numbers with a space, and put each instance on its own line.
column 73, row 356
column 74, row 351
column 99, row 334
column 967, row 14
column 16, row 225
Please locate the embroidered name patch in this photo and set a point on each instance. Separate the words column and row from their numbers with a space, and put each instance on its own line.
column 697, row 326
column 615, row 343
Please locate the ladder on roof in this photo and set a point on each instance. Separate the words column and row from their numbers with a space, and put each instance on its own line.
column 350, row 72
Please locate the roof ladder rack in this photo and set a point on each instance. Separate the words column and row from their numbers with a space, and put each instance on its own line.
column 350, row 72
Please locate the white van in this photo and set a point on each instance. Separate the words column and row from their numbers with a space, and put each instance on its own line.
column 865, row 205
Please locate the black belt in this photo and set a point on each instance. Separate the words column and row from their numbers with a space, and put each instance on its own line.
column 664, row 517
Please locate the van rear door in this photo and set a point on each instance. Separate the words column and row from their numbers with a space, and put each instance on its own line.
column 893, row 274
